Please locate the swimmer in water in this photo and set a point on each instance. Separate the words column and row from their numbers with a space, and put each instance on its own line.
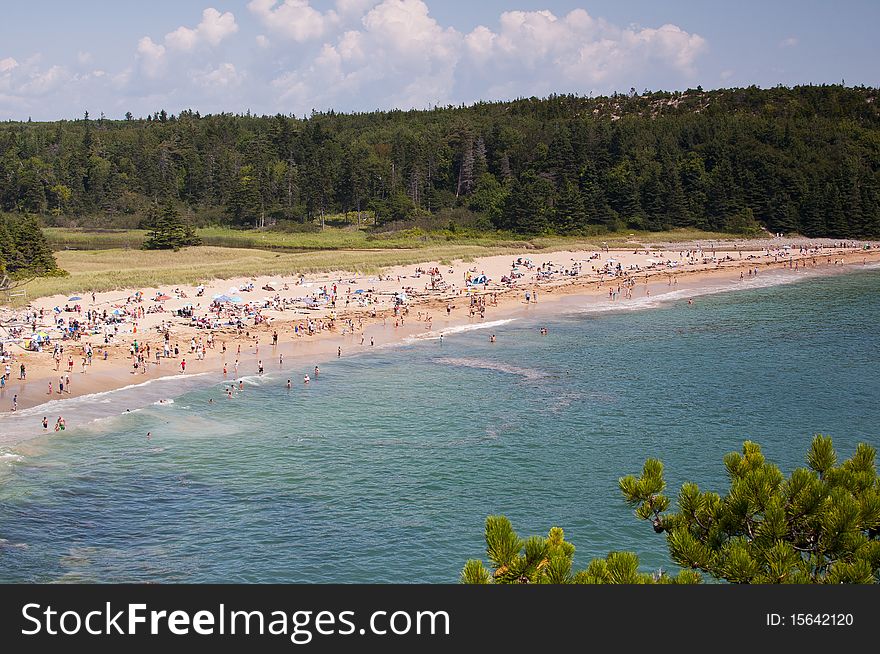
column 690, row 301
column 306, row 379
column 316, row 371
column 149, row 435
column 288, row 384
column 45, row 422
column 492, row 338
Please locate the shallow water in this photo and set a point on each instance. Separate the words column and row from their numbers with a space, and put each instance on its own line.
column 385, row 467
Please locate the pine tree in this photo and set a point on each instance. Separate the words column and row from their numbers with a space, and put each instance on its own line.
column 570, row 216
column 170, row 232
column 819, row 525
column 548, row 560
column 23, row 248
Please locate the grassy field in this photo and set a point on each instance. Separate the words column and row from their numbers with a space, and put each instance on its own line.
column 347, row 239
column 103, row 270
column 102, row 260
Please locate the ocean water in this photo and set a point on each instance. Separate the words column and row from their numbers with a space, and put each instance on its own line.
column 385, row 467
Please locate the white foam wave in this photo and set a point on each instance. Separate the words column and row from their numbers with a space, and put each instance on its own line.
column 467, row 362
column 458, row 329
column 10, row 457
column 164, row 402
column 92, row 398
column 654, row 301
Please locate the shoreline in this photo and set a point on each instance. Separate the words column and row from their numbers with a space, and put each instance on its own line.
column 114, row 374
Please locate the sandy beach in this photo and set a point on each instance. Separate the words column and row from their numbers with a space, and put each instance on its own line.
column 321, row 316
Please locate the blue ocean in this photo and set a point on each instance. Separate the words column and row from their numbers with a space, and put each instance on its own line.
column 385, row 467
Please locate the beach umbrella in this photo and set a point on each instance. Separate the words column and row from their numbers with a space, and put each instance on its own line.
column 117, row 312
column 74, row 298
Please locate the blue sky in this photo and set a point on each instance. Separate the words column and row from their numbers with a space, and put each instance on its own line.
column 58, row 59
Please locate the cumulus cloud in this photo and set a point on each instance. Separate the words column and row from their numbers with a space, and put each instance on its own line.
column 399, row 44
column 151, row 56
column 7, row 64
column 577, row 49
column 212, row 30
column 354, row 55
column 222, row 77
column 420, row 62
column 295, row 19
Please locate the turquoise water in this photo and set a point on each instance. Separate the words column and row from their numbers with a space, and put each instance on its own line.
column 384, row 469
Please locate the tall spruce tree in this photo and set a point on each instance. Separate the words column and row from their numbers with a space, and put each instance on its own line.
column 170, row 232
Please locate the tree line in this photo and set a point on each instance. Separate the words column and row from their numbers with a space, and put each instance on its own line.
column 804, row 159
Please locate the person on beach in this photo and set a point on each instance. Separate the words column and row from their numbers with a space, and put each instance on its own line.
column 15, row 402
column 338, row 352
column 224, row 369
column 183, row 365
column 60, row 385
column 281, row 359
column 50, row 389
column 260, row 367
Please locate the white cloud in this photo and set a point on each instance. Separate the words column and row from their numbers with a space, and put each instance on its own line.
column 212, row 30
column 401, row 56
column 578, row 49
column 7, row 64
column 789, row 42
column 151, row 56
column 295, row 19
column 400, row 46
column 356, row 55
column 353, row 8
column 41, row 83
column 223, row 76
